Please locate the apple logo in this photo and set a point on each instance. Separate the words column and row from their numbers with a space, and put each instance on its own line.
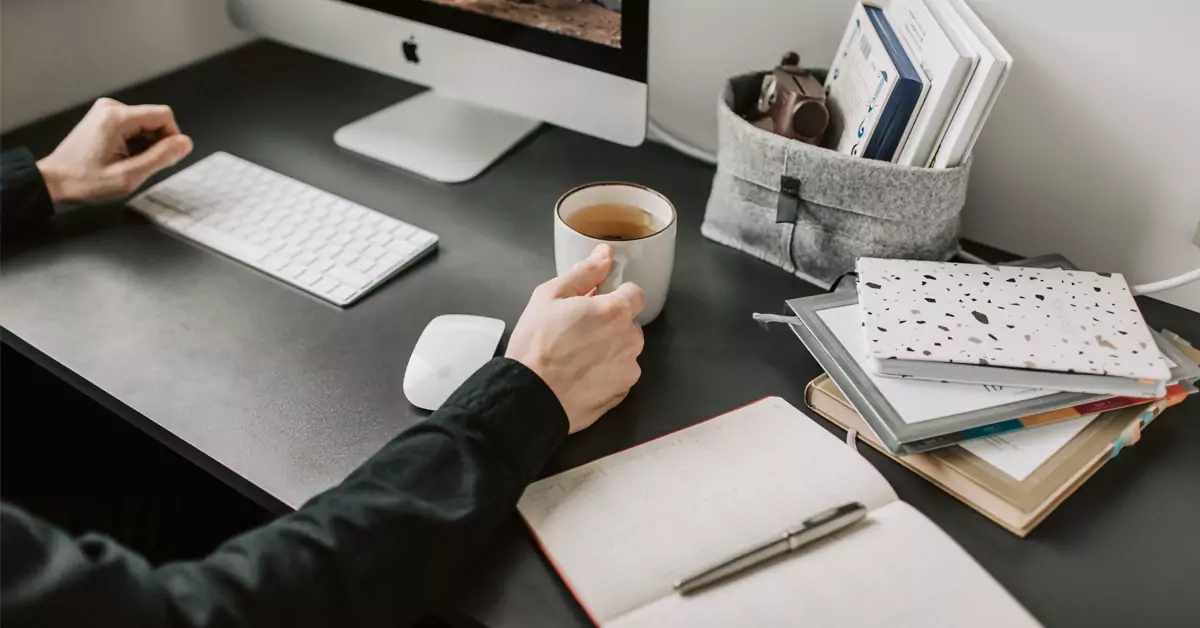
column 410, row 50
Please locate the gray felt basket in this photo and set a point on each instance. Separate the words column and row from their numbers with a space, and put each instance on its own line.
column 812, row 211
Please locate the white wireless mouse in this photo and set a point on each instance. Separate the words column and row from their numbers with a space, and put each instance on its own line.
column 450, row 350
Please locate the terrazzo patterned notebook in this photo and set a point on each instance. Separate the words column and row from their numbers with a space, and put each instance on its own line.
column 1027, row 327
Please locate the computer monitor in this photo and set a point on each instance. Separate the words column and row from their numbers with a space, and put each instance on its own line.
column 497, row 68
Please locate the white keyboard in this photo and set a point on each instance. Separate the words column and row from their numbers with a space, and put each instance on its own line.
column 318, row 242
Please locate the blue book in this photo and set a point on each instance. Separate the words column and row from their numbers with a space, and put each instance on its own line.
column 905, row 102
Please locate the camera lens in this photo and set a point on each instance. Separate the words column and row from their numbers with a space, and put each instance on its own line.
column 810, row 119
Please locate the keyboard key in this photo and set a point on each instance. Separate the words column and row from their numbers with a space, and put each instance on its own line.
column 403, row 230
column 273, row 263
column 321, row 265
column 363, row 265
column 289, row 251
column 292, row 271
column 222, row 242
column 388, row 226
column 421, row 238
column 244, row 230
column 382, row 239
column 329, row 251
column 304, row 259
column 373, row 252
column 357, row 246
column 402, row 248
column 312, row 246
column 387, row 262
column 342, row 293
column 346, row 258
column 326, row 285
column 352, row 278
column 310, row 278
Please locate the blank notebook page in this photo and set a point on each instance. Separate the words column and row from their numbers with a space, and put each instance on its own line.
column 621, row 530
column 898, row 569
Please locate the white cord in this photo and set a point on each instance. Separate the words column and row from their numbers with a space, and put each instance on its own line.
column 694, row 152
column 1146, row 288
column 970, row 257
column 776, row 318
column 1167, row 284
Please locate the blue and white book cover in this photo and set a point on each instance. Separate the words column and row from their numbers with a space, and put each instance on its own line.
column 859, row 84
column 896, row 119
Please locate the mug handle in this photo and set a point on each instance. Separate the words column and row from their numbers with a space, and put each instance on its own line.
column 616, row 276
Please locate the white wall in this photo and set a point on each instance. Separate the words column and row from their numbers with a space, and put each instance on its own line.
column 1091, row 150
column 58, row 53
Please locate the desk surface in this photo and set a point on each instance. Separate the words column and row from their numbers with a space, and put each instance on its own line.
column 282, row 395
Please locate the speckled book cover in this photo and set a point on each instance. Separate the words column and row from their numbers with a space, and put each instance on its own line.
column 1026, row 318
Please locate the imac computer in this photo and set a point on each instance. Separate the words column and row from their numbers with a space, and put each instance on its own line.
column 496, row 69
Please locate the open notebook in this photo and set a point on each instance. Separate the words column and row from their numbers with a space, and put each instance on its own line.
column 622, row 529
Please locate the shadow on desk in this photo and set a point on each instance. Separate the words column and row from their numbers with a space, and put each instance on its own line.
column 70, row 461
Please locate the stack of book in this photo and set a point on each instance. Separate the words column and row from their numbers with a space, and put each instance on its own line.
column 946, row 367
column 913, row 82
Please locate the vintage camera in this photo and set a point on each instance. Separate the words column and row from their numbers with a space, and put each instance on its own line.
column 791, row 103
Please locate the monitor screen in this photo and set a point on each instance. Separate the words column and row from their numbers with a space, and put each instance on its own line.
column 597, row 21
column 606, row 35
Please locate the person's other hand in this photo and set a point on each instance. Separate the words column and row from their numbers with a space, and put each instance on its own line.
column 584, row 346
column 93, row 164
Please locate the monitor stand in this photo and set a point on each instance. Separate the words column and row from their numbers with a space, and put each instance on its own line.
column 436, row 136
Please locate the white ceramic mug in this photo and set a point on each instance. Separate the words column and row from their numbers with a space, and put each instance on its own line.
column 647, row 261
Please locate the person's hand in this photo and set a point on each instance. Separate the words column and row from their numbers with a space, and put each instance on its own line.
column 93, row 164
column 584, row 346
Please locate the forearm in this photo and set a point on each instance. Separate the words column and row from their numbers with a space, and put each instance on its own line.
column 378, row 549
column 25, row 201
column 381, row 547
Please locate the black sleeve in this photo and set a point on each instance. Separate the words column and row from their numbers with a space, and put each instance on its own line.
column 377, row 550
column 24, row 199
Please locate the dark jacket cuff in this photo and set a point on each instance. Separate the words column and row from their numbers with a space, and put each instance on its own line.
column 512, row 406
column 24, row 200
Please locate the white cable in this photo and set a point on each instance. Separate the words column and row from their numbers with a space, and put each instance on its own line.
column 694, row 152
column 1146, row 288
column 970, row 257
column 1167, row 284
column 776, row 318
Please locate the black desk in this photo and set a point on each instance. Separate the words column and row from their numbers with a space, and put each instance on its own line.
column 282, row 395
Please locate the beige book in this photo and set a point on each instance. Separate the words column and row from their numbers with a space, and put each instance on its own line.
column 621, row 530
column 1015, row 500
